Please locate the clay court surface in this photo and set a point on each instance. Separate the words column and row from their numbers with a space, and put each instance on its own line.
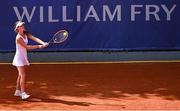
column 102, row 86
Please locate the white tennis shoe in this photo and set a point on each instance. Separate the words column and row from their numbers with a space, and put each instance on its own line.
column 17, row 93
column 24, row 96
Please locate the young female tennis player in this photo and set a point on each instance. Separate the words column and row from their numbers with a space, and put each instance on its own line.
column 20, row 59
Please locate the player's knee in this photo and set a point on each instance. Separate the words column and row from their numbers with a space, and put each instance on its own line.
column 22, row 75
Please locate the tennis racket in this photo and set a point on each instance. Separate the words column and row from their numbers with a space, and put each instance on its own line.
column 59, row 37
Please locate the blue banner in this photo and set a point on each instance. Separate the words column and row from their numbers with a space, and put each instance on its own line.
column 95, row 24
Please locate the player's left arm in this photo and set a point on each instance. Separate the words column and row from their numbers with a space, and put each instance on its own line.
column 36, row 39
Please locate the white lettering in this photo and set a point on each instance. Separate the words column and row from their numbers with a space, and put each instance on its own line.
column 168, row 12
column 64, row 8
column 105, row 12
column 155, row 12
column 134, row 12
column 41, row 14
column 50, row 15
column 25, row 13
column 94, row 14
column 78, row 13
column 110, row 15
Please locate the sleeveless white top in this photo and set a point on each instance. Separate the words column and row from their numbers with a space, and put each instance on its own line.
column 20, row 58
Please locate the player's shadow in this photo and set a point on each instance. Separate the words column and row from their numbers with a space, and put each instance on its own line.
column 49, row 100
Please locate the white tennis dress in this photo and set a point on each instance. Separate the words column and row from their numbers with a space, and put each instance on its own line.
column 20, row 58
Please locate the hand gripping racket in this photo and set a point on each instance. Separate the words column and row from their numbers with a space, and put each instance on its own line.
column 59, row 37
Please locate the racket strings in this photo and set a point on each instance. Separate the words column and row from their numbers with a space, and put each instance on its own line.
column 60, row 37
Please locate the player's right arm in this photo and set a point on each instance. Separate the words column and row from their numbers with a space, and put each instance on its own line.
column 28, row 47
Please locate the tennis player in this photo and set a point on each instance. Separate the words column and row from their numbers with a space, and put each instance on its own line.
column 20, row 59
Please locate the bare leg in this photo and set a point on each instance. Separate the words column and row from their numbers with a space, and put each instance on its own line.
column 22, row 77
column 18, row 82
column 21, row 83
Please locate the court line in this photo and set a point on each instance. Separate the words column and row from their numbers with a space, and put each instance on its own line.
column 102, row 62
